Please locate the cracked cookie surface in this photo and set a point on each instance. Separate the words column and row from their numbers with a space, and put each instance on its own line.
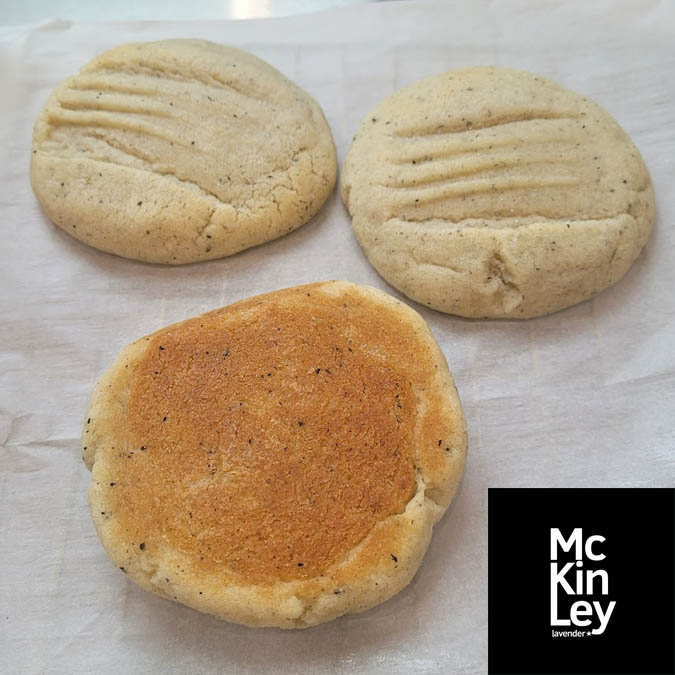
column 180, row 151
column 491, row 192
column 280, row 461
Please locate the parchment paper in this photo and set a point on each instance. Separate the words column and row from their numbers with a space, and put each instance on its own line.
column 581, row 398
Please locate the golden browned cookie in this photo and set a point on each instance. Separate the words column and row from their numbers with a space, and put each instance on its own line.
column 280, row 461
column 490, row 192
column 179, row 151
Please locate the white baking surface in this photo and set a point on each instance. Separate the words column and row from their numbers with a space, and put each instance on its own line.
column 581, row 398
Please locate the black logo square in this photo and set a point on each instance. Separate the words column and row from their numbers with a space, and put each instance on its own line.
column 581, row 581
